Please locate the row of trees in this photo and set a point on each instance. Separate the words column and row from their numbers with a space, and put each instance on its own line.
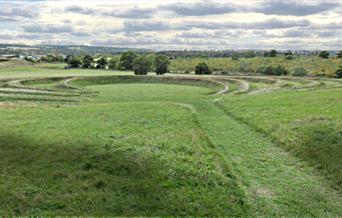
column 289, row 54
column 142, row 64
column 52, row 58
column 325, row 54
column 128, row 61
column 131, row 61
column 282, row 71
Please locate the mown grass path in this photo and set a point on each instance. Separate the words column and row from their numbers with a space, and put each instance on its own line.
column 275, row 182
column 215, row 162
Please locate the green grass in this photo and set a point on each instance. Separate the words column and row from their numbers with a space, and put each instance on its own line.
column 308, row 123
column 154, row 146
column 148, row 92
column 276, row 183
column 106, row 159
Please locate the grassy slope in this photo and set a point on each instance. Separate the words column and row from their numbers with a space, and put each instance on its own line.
column 116, row 156
column 148, row 92
column 313, row 65
column 123, row 158
column 276, row 183
column 308, row 123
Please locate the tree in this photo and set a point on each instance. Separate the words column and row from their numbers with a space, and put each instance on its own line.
column 202, row 69
column 280, row 70
column 67, row 59
column 273, row 71
column 75, row 62
column 112, row 64
column 339, row 55
column 59, row 58
column 127, row 59
column 272, row 53
column 300, row 71
column 141, row 65
column 339, row 72
column 52, row 58
column 101, row 63
column 161, row 63
column 87, row 61
column 324, row 54
column 268, row 71
column 289, row 55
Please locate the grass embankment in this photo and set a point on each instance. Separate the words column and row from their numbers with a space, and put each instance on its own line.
column 123, row 158
column 214, row 86
column 308, row 123
column 158, row 149
column 314, row 65
column 276, row 183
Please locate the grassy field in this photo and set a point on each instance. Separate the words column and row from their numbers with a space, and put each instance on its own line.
column 147, row 146
column 314, row 65
column 112, row 158
column 308, row 123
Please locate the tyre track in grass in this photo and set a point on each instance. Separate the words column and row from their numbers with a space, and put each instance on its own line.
column 275, row 182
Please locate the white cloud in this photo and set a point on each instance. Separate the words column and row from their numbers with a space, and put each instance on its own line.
column 174, row 24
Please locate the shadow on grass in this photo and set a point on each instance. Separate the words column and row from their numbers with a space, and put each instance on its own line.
column 81, row 179
column 78, row 180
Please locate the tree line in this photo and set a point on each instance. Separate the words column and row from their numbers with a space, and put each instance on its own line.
column 128, row 61
column 159, row 63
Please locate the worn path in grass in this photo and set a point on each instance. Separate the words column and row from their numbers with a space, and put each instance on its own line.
column 275, row 182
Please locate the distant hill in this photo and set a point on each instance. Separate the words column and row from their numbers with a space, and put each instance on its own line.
column 69, row 49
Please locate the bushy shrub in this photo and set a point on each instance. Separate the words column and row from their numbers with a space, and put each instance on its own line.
column 272, row 53
column 245, row 67
column 261, row 70
column 273, row 71
column 289, row 57
column 324, row 54
column 300, row 71
column 203, row 69
column 339, row 72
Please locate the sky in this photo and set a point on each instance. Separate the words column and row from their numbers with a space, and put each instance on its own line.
column 175, row 24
